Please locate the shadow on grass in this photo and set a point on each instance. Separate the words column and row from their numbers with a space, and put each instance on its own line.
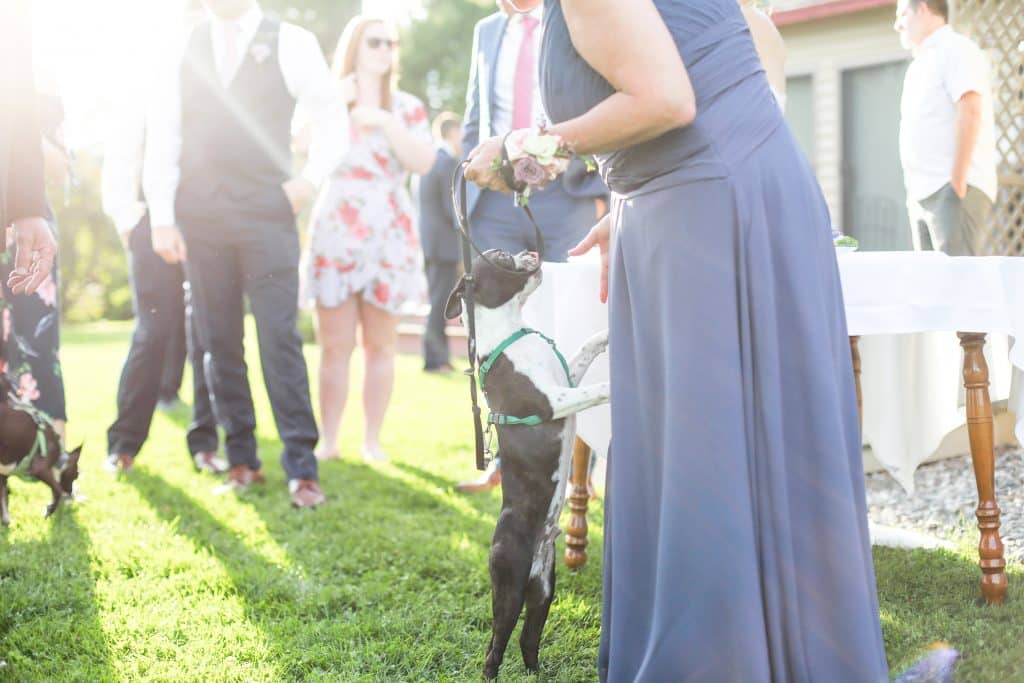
column 394, row 567
column 356, row 597
column 935, row 596
column 49, row 624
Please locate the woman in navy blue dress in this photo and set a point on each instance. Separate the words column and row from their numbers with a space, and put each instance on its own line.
column 736, row 543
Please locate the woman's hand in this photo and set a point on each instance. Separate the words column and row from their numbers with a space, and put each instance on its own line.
column 598, row 236
column 348, row 88
column 300, row 193
column 480, row 168
column 35, row 250
column 370, row 117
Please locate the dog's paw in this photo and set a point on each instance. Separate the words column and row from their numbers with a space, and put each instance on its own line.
column 50, row 509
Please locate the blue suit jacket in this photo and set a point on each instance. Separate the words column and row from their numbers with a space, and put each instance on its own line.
column 488, row 35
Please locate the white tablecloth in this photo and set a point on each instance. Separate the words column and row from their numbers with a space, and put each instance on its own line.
column 908, row 406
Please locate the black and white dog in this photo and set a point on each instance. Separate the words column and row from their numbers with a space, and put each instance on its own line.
column 526, row 379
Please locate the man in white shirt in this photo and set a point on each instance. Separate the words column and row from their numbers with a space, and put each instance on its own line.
column 160, row 309
column 947, row 132
column 223, row 198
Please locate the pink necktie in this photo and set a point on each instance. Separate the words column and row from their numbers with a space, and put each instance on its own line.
column 232, row 52
column 522, row 105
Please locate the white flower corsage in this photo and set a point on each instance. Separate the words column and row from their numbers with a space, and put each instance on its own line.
column 531, row 159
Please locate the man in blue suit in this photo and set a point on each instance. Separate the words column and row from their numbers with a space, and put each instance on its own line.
column 503, row 96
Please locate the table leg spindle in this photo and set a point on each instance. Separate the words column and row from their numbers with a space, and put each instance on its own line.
column 980, row 430
column 576, row 533
column 855, row 354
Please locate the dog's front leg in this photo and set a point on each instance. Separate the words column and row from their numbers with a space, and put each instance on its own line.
column 5, row 515
column 41, row 471
column 590, row 350
column 567, row 401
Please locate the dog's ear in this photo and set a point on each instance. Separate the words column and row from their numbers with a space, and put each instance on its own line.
column 453, row 309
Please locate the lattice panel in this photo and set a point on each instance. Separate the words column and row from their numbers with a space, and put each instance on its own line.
column 998, row 27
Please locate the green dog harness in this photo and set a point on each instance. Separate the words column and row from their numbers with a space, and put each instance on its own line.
column 494, row 418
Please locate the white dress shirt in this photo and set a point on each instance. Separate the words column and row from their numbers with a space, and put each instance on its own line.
column 505, row 76
column 122, row 166
column 946, row 66
column 305, row 75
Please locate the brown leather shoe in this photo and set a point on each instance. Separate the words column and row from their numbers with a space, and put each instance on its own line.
column 209, row 461
column 305, row 493
column 119, row 463
column 240, row 478
column 490, row 478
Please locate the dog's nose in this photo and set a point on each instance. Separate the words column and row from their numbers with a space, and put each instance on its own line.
column 533, row 254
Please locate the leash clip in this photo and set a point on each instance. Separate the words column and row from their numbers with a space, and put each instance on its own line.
column 488, row 447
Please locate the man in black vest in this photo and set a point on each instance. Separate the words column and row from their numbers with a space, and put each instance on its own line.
column 220, row 167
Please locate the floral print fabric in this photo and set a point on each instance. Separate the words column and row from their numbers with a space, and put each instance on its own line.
column 31, row 342
column 362, row 237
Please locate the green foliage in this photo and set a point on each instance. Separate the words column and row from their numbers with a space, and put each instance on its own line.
column 436, row 43
column 325, row 18
column 94, row 270
column 436, row 49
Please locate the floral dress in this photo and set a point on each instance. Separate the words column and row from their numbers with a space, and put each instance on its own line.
column 362, row 237
column 30, row 340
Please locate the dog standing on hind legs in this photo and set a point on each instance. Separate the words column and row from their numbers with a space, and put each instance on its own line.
column 533, row 395
column 26, row 434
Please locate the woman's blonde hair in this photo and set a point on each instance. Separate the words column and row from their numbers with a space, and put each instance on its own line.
column 347, row 52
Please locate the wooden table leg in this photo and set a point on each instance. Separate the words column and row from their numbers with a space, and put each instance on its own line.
column 855, row 354
column 980, row 429
column 576, row 533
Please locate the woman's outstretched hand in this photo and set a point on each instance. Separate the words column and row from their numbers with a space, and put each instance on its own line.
column 598, row 236
column 481, row 163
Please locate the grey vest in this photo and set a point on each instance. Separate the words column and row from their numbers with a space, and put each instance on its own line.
column 235, row 140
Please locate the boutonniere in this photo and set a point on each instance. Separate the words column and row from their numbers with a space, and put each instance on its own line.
column 260, row 52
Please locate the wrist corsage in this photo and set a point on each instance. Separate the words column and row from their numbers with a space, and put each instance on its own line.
column 531, row 159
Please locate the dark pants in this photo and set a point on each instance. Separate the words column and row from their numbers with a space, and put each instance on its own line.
column 174, row 364
column 945, row 222
column 158, row 299
column 256, row 258
column 441, row 277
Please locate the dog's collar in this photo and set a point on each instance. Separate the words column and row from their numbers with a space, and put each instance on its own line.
column 485, row 367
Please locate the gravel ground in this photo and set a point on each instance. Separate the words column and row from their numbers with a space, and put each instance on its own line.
column 945, row 499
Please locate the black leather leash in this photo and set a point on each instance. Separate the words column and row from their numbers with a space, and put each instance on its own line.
column 459, row 187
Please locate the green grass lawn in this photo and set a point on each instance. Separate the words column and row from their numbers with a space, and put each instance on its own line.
column 155, row 578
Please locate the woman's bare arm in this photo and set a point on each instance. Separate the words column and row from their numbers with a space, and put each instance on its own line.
column 769, row 45
column 630, row 46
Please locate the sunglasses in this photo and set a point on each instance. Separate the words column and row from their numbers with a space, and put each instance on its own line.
column 375, row 43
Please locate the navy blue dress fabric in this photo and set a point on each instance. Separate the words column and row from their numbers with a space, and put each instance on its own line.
column 736, row 539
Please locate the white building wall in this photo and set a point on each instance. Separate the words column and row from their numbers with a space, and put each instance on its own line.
column 824, row 49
